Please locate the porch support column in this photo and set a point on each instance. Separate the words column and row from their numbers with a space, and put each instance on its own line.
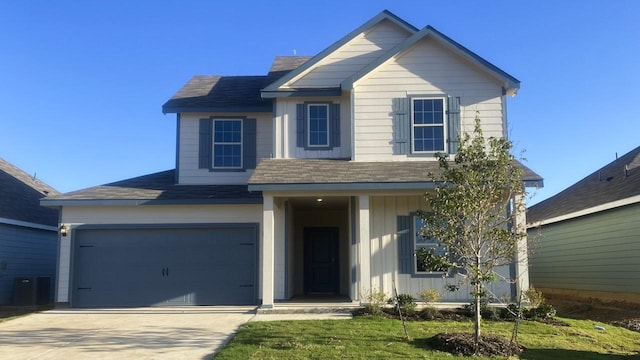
column 364, row 253
column 267, row 252
column 522, row 256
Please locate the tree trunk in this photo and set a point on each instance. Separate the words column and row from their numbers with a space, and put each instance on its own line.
column 477, row 296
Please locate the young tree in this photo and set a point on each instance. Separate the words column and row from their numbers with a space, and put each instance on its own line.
column 473, row 211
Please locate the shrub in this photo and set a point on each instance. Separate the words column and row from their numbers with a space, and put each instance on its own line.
column 428, row 313
column 535, row 297
column 375, row 300
column 541, row 312
column 406, row 302
column 430, row 295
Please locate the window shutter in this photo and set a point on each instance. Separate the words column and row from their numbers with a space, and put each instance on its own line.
column 453, row 135
column 405, row 245
column 301, row 128
column 205, row 143
column 401, row 125
column 334, row 125
column 249, row 143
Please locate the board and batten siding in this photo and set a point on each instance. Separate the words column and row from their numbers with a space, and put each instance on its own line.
column 384, row 254
column 188, row 159
column 121, row 215
column 25, row 252
column 286, row 145
column 597, row 252
column 352, row 56
column 427, row 68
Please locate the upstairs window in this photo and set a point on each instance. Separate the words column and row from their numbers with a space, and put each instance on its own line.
column 428, row 125
column 227, row 144
column 424, row 125
column 318, row 126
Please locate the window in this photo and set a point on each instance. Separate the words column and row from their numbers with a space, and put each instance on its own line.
column 318, row 126
column 429, row 254
column 227, row 144
column 318, row 117
column 427, row 124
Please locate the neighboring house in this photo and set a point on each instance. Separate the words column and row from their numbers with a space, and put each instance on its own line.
column 303, row 181
column 586, row 239
column 28, row 231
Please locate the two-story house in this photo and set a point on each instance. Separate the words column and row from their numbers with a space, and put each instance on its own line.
column 302, row 181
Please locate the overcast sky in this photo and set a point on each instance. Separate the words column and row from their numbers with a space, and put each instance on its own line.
column 82, row 82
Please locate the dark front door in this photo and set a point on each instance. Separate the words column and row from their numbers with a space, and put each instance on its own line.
column 321, row 265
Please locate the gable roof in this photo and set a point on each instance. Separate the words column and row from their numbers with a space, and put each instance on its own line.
column 220, row 94
column 615, row 184
column 20, row 195
column 384, row 15
column 340, row 174
column 155, row 189
column 510, row 83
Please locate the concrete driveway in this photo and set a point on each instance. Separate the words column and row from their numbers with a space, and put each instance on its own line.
column 132, row 333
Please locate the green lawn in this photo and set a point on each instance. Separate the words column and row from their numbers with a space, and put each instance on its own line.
column 379, row 338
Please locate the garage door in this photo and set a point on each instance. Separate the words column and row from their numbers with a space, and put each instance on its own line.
column 165, row 266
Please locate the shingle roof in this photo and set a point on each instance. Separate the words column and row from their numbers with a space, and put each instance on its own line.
column 320, row 171
column 157, row 188
column 282, row 65
column 220, row 93
column 230, row 93
column 20, row 195
column 607, row 184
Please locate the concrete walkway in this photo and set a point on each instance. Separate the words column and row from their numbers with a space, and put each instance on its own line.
column 132, row 333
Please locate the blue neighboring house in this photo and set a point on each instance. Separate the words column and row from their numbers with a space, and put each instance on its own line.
column 28, row 231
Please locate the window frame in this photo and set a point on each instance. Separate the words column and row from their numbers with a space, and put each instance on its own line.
column 214, row 143
column 423, row 244
column 327, row 144
column 444, row 124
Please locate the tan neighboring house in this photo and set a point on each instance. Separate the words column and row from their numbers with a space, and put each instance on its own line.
column 304, row 181
column 586, row 239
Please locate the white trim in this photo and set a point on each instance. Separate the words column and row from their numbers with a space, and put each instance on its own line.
column 444, row 124
column 27, row 224
column 588, row 211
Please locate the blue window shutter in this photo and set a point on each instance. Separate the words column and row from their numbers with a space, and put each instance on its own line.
column 401, row 125
column 249, row 143
column 335, row 125
column 453, row 135
column 405, row 245
column 301, row 125
column 205, row 143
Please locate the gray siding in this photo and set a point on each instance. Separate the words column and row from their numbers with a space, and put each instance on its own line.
column 25, row 252
column 597, row 252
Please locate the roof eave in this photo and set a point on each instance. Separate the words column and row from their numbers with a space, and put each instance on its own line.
column 202, row 109
column 137, row 202
column 301, row 93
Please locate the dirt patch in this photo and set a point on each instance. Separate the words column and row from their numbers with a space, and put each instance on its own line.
column 618, row 313
column 461, row 344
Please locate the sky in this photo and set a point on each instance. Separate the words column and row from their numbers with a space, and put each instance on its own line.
column 82, row 83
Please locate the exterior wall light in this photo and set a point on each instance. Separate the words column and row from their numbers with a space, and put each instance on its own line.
column 63, row 230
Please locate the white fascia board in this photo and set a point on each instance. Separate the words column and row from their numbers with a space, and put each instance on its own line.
column 591, row 210
column 27, row 224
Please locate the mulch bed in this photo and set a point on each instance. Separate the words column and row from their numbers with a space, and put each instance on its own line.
column 461, row 344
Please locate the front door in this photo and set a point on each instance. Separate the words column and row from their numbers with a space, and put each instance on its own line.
column 321, row 262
